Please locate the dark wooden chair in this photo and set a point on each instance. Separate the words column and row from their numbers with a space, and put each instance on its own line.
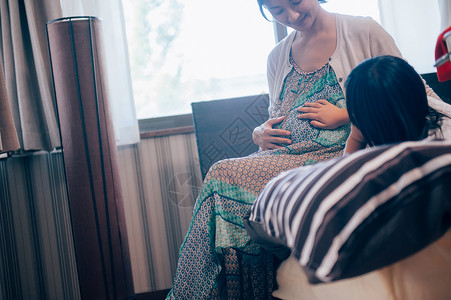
column 224, row 127
column 442, row 89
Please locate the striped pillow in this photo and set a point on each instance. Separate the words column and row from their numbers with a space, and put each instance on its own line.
column 357, row 213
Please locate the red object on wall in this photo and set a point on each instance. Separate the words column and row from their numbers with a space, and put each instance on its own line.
column 442, row 56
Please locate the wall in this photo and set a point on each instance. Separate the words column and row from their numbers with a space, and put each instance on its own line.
column 161, row 180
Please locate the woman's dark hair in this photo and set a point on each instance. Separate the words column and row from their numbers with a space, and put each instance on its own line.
column 386, row 100
column 261, row 3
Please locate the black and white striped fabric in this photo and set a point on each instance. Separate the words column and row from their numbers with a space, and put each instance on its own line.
column 359, row 212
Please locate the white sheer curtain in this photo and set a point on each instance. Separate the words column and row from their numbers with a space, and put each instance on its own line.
column 117, row 63
column 415, row 26
column 445, row 13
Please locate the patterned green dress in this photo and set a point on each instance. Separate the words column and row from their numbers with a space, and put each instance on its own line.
column 217, row 259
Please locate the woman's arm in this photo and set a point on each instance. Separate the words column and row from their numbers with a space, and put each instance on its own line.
column 268, row 138
column 265, row 136
column 355, row 141
column 324, row 115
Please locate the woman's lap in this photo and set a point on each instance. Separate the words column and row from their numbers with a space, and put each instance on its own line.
column 218, row 259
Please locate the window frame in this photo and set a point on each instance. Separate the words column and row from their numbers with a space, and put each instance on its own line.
column 183, row 124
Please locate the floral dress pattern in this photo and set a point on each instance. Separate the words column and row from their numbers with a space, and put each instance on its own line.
column 217, row 259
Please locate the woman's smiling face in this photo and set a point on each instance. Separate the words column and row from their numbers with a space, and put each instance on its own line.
column 297, row 14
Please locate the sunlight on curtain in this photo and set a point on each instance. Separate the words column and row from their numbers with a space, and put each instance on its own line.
column 118, row 70
column 415, row 26
column 8, row 135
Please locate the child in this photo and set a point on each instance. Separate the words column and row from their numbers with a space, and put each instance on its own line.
column 387, row 103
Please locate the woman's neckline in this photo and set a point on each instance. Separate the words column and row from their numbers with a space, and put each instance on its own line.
column 337, row 44
column 302, row 72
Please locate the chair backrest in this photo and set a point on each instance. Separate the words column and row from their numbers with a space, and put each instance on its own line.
column 442, row 89
column 224, row 128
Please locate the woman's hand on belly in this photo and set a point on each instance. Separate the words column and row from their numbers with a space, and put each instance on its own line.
column 324, row 114
column 268, row 138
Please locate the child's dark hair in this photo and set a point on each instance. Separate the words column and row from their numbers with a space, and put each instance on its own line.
column 261, row 3
column 387, row 101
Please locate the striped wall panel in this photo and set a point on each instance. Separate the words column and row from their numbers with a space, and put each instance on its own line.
column 160, row 179
column 36, row 253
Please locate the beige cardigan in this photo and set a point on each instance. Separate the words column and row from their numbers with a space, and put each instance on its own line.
column 358, row 38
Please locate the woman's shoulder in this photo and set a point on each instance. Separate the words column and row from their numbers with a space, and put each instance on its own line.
column 354, row 20
column 358, row 25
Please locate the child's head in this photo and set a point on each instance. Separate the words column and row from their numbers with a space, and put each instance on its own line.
column 386, row 100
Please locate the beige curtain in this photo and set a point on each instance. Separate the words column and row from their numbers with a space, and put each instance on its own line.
column 27, row 75
column 8, row 135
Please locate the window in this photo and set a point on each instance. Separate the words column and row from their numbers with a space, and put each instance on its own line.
column 183, row 51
